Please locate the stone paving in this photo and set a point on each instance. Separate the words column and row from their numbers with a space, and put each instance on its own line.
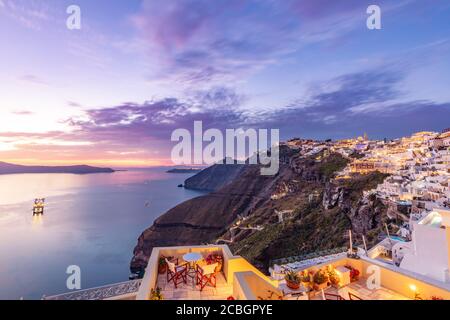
column 190, row 291
column 360, row 289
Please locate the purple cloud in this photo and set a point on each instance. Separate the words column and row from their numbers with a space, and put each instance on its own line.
column 198, row 41
column 211, row 42
column 369, row 101
column 347, row 105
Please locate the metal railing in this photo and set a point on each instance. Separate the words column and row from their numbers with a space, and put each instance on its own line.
column 313, row 255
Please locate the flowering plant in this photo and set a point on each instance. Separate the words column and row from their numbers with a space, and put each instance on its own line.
column 156, row 294
column 320, row 277
column 333, row 276
column 354, row 273
column 213, row 258
column 305, row 276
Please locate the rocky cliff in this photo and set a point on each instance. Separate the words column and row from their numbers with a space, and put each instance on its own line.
column 299, row 210
column 214, row 177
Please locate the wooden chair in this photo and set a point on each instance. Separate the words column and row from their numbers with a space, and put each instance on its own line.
column 331, row 296
column 176, row 274
column 353, row 296
column 206, row 275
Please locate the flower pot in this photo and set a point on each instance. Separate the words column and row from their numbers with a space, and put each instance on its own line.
column 336, row 285
column 322, row 286
column 218, row 268
column 293, row 285
column 162, row 269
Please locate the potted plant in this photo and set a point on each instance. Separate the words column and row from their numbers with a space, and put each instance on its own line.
column 293, row 280
column 320, row 279
column 305, row 277
column 333, row 277
column 215, row 258
column 354, row 273
column 162, row 264
column 155, row 294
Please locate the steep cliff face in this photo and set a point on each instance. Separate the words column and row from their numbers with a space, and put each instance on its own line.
column 202, row 219
column 222, row 175
column 262, row 218
column 366, row 214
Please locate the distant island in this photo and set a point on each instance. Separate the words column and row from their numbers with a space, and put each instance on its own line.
column 9, row 168
column 184, row 170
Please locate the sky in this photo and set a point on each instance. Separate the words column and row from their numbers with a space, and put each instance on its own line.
column 112, row 92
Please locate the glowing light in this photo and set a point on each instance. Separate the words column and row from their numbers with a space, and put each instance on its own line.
column 413, row 287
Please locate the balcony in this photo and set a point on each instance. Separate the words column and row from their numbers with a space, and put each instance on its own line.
column 238, row 278
column 241, row 280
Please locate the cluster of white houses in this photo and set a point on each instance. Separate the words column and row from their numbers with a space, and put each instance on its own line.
column 419, row 169
column 418, row 189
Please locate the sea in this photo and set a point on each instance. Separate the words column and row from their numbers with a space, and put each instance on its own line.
column 90, row 221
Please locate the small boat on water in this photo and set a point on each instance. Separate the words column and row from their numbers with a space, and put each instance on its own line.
column 38, row 207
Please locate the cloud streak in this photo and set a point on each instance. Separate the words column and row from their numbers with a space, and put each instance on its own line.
column 370, row 101
column 195, row 52
column 201, row 42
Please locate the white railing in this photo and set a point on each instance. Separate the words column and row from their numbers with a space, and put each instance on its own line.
column 122, row 290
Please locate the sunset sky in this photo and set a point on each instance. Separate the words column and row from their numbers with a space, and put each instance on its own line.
column 113, row 92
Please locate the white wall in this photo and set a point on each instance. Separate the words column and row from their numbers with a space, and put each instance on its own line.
column 430, row 253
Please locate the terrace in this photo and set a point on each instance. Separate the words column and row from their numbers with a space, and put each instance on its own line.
column 241, row 280
column 236, row 276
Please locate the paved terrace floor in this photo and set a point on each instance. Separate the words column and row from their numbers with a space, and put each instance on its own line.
column 190, row 291
column 360, row 289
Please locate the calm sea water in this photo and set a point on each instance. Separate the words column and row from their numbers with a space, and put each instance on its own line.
column 92, row 221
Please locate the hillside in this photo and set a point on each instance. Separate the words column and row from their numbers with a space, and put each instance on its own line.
column 243, row 210
column 222, row 175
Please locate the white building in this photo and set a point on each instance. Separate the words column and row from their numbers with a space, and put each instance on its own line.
column 429, row 251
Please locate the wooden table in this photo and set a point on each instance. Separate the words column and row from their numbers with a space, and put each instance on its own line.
column 192, row 258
